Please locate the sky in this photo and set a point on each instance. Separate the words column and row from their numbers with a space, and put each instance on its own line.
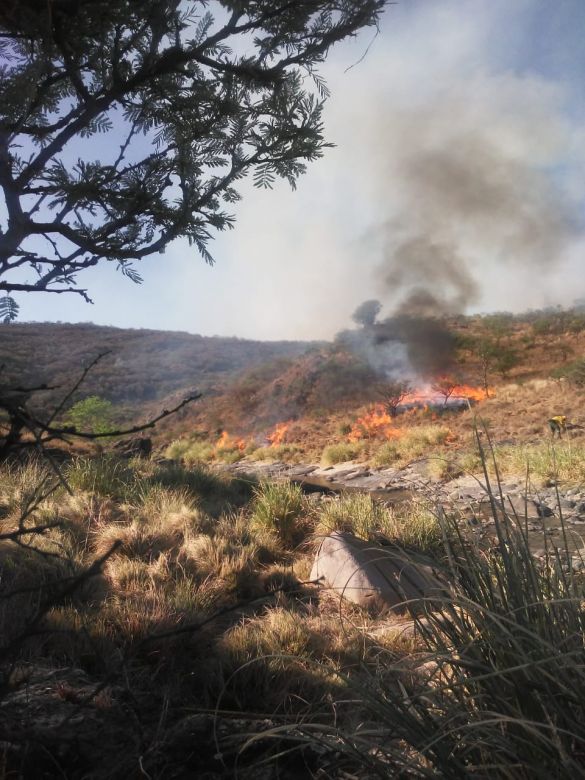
column 457, row 183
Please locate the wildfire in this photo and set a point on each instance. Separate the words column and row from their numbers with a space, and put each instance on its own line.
column 433, row 396
column 278, row 434
column 227, row 442
column 376, row 422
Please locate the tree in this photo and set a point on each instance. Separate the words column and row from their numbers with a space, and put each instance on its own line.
column 445, row 386
column 93, row 414
column 393, row 394
column 183, row 115
column 505, row 360
column 366, row 313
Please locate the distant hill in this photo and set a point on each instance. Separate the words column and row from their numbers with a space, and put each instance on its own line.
column 250, row 386
column 142, row 365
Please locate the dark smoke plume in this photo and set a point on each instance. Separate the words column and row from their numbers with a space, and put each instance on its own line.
column 466, row 195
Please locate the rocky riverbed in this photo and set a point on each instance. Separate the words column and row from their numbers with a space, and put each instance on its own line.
column 548, row 514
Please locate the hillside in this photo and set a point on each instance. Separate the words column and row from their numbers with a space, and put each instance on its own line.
column 141, row 365
column 318, row 390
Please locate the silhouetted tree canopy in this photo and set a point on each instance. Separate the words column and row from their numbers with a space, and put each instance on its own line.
column 125, row 124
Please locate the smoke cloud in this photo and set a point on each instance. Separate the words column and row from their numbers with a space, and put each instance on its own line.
column 472, row 193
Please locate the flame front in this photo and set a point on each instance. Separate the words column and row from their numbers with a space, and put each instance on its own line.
column 227, row 442
column 431, row 396
column 278, row 434
column 378, row 423
column 375, row 422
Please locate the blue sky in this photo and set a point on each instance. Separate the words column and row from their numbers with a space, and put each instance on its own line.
column 462, row 132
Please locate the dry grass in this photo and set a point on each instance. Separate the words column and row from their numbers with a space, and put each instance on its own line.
column 414, row 443
column 342, row 452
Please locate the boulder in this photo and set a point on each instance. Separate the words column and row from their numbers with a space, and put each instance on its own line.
column 139, row 447
column 518, row 506
column 371, row 575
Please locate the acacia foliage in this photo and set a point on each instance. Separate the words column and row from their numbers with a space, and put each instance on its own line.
column 188, row 99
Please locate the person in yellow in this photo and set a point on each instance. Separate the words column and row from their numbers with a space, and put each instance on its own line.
column 558, row 424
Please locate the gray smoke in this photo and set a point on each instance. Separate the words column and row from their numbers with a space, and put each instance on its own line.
column 468, row 191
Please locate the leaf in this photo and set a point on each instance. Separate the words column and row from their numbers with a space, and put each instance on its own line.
column 8, row 309
column 321, row 85
column 130, row 272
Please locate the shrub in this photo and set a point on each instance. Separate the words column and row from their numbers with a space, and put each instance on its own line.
column 92, row 415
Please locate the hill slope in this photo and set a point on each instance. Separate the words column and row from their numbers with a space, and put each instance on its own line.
column 141, row 365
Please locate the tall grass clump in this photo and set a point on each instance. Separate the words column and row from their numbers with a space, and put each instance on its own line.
column 501, row 693
column 279, row 508
column 564, row 460
column 355, row 513
column 417, row 525
column 412, row 444
column 341, row 452
column 289, row 453
column 104, row 476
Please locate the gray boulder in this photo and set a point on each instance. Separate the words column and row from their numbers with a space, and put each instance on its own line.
column 371, row 575
column 521, row 507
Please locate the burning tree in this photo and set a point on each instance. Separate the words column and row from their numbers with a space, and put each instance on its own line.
column 184, row 116
column 445, row 386
column 392, row 394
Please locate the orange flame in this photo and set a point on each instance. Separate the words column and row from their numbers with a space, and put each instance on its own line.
column 226, row 442
column 429, row 396
column 375, row 422
column 277, row 436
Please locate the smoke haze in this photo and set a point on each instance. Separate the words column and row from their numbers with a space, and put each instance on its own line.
column 473, row 192
column 456, row 185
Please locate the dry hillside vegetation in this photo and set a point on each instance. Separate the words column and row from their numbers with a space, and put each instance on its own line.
column 197, row 647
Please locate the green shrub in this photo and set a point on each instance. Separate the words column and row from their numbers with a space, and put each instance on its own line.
column 92, row 415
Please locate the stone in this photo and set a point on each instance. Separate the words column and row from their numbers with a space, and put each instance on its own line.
column 523, row 508
column 371, row 575
column 138, row 447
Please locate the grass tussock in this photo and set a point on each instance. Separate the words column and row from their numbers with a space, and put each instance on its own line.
column 341, row 452
column 280, row 508
column 413, row 525
column 202, row 602
column 562, row 461
column 414, row 443
column 288, row 453
column 355, row 513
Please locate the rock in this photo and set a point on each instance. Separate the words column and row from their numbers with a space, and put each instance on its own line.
column 365, row 482
column 139, row 447
column 371, row 575
column 523, row 508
